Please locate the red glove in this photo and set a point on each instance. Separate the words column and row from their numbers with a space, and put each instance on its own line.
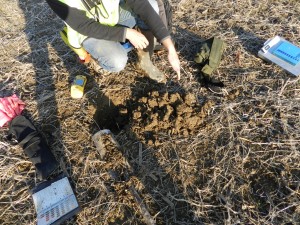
column 10, row 107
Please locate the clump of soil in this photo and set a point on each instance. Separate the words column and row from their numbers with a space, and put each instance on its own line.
column 170, row 113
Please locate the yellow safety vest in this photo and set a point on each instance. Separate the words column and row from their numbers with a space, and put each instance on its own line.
column 107, row 13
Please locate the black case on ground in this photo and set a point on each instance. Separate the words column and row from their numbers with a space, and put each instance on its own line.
column 27, row 136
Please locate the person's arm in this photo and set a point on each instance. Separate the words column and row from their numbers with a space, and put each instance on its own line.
column 146, row 12
column 159, row 30
column 172, row 55
column 78, row 20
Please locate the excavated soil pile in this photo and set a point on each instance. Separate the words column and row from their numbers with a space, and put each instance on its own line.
column 167, row 113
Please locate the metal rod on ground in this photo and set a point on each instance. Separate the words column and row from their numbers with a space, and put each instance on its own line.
column 146, row 215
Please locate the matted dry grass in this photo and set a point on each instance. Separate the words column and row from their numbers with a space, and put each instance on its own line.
column 242, row 166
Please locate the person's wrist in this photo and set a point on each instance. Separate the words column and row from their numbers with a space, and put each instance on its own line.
column 128, row 32
column 169, row 44
column 125, row 34
column 172, row 51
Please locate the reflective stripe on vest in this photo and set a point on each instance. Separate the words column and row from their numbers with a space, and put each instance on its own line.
column 106, row 13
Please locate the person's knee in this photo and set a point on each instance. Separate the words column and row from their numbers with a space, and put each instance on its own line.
column 119, row 64
column 115, row 64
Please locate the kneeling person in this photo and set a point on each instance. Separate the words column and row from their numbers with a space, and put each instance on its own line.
column 100, row 26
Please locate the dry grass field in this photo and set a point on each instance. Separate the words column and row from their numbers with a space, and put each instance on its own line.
column 188, row 155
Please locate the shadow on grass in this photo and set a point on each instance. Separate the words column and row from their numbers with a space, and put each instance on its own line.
column 251, row 42
column 41, row 30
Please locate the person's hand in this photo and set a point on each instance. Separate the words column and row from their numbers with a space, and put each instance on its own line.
column 172, row 56
column 174, row 61
column 10, row 107
column 137, row 39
